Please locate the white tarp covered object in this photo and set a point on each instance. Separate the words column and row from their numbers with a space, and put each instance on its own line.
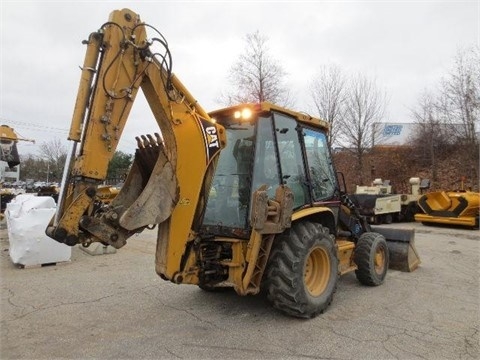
column 27, row 218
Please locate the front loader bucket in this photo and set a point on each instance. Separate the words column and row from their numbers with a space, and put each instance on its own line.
column 401, row 247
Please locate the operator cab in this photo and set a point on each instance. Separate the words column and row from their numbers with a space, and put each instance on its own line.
column 267, row 145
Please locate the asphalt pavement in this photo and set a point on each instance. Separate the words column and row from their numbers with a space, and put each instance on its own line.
column 114, row 306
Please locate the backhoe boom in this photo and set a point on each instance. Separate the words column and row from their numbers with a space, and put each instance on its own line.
column 160, row 186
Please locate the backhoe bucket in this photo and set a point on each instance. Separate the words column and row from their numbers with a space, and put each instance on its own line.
column 401, row 247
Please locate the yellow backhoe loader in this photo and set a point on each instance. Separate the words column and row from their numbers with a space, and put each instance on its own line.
column 244, row 197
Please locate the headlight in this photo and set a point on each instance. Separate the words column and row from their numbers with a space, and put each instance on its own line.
column 244, row 114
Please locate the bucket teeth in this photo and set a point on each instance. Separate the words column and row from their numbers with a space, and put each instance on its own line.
column 152, row 141
column 149, row 141
column 149, row 147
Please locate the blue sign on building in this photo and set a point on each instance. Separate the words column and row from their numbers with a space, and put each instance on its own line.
column 393, row 134
column 392, row 130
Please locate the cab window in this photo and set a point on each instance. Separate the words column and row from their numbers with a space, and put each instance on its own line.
column 290, row 154
column 320, row 165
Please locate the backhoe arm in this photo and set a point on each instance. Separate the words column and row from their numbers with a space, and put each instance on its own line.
column 171, row 173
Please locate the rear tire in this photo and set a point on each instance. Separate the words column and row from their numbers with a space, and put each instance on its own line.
column 302, row 272
column 372, row 259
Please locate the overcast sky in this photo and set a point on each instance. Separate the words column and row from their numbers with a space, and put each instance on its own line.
column 406, row 45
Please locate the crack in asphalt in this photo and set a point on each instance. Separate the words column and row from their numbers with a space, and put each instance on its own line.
column 35, row 309
column 172, row 353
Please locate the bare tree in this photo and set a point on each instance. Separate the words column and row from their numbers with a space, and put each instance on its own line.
column 364, row 105
column 52, row 150
column 459, row 99
column 328, row 94
column 54, row 153
column 430, row 137
column 256, row 76
column 447, row 118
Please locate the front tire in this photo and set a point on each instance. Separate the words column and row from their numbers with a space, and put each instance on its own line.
column 302, row 272
column 372, row 259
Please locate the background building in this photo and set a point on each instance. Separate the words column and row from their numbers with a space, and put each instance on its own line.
column 392, row 134
column 9, row 174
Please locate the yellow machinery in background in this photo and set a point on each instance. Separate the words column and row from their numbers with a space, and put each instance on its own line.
column 459, row 207
column 9, row 154
column 8, row 146
column 6, row 195
column 106, row 193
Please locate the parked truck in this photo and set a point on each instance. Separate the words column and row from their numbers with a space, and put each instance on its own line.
column 380, row 205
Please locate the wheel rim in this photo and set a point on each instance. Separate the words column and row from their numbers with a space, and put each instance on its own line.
column 317, row 271
column 379, row 260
